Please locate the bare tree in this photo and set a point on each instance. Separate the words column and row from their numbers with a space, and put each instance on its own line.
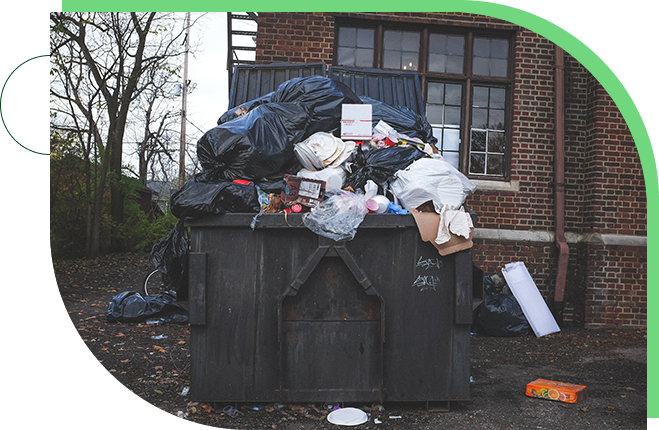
column 159, row 118
column 102, row 63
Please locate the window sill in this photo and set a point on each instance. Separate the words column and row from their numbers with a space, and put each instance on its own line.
column 484, row 185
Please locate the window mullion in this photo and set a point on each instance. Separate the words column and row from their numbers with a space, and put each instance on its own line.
column 466, row 128
column 379, row 46
column 423, row 59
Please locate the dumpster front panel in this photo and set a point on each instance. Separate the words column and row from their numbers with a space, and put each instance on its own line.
column 331, row 319
column 292, row 316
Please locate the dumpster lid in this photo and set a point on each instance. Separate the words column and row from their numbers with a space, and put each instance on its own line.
column 253, row 81
column 394, row 88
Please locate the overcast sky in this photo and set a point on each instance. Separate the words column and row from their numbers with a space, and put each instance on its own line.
column 207, row 69
column 207, row 72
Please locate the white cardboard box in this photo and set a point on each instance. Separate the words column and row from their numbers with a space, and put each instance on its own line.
column 356, row 122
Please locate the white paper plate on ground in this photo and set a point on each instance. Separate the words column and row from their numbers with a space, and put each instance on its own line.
column 347, row 417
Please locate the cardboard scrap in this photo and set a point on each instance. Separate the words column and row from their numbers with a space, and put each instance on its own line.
column 305, row 191
column 428, row 225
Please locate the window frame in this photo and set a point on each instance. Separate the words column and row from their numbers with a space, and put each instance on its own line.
column 467, row 79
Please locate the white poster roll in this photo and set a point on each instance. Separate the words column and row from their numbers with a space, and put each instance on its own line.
column 527, row 294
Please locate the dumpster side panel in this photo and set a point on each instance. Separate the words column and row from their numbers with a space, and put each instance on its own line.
column 424, row 354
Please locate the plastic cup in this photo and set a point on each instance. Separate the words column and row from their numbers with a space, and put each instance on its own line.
column 383, row 203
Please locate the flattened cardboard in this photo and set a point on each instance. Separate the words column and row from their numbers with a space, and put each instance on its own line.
column 428, row 225
column 308, row 192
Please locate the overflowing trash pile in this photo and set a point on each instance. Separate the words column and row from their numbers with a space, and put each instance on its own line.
column 283, row 153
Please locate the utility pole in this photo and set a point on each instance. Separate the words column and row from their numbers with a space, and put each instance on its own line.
column 184, row 88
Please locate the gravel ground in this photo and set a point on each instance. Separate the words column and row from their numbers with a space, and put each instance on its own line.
column 153, row 362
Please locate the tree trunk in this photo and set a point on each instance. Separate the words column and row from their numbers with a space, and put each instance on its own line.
column 116, row 195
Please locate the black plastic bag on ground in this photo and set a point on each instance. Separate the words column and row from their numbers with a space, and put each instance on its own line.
column 170, row 257
column 402, row 119
column 255, row 145
column 199, row 199
column 500, row 314
column 131, row 306
column 380, row 165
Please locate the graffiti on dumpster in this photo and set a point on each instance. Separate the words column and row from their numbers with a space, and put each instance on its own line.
column 429, row 263
column 426, row 283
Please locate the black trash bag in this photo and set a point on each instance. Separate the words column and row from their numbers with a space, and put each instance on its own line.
column 199, row 199
column 271, row 185
column 255, row 145
column 380, row 165
column 402, row 119
column 323, row 95
column 500, row 314
column 170, row 257
column 242, row 109
column 131, row 306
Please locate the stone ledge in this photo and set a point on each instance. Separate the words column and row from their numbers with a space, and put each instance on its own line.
column 548, row 236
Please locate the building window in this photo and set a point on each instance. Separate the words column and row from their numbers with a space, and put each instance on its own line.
column 444, row 113
column 356, row 47
column 488, row 135
column 445, row 53
column 401, row 50
column 465, row 74
column 490, row 57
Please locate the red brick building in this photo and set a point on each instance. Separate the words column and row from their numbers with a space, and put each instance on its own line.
column 490, row 89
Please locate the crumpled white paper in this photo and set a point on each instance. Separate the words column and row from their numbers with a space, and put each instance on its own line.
column 453, row 221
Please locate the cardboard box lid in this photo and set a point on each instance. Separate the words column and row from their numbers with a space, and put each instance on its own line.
column 428, row 225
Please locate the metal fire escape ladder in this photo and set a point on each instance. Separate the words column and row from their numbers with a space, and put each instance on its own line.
column 233, row 58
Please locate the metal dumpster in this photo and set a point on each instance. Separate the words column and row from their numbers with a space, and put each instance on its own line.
column 280, row 314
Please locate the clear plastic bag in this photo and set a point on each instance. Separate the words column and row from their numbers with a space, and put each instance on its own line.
column 339, row 216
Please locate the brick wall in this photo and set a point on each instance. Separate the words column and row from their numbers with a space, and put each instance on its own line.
column 604, row 187
column 615, row 188
column 616, row 291
column 295, row 38
column 577, row 80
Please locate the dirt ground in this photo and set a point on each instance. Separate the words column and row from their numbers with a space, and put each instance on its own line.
column 153, row 361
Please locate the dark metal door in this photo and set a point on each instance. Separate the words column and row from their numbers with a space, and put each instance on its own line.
column 331, row 331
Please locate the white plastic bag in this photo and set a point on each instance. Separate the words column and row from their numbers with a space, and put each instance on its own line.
column 431, row 179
